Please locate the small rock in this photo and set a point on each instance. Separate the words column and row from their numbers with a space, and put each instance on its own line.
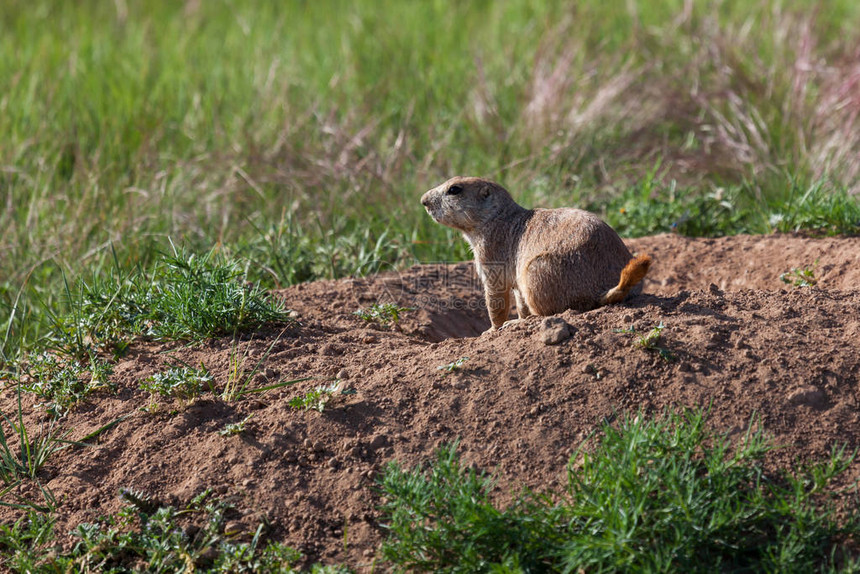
column 333, row 463
column 369, row 340
column 248, row 482
column 318, row 446
column 308, row 443
column 342, row 374
column 714, row 290
column 554, row 330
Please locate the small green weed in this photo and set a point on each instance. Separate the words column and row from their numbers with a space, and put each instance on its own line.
column 24, row 460
column 319, row 397
column 63, row 381
column 800, row 276
column 239, row 380
column 231, row 429
column 315, row 399
column 148, row 536
column 385, row 314
column 452, row 366
column 22, row 542
column 653, row 495
column 650, row 341
column 180, row 382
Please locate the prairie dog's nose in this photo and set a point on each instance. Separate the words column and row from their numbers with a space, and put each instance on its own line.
column 425, row 200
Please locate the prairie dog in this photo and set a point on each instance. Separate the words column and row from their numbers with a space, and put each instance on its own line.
column 552, row 259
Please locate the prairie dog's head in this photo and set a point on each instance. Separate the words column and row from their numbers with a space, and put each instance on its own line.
column 467, row 203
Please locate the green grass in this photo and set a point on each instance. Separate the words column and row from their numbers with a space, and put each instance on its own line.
column 147, row 535
column 23, row 453
column 661, row 495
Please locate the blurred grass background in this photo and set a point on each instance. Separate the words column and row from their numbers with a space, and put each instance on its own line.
column 298, row 136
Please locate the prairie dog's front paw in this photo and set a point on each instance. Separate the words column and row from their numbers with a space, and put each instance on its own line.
column 510, row 323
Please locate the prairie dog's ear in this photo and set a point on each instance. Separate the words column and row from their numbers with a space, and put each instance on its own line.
column 485, row 191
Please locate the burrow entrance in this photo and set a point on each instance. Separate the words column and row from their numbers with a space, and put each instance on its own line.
column 445, row 300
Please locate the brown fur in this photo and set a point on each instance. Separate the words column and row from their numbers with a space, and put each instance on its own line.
column 631, row 275
column 551, row 259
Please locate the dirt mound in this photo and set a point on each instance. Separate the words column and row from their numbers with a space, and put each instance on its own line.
column 734, row 337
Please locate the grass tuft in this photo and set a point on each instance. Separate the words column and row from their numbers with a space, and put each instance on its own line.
column 663, row 495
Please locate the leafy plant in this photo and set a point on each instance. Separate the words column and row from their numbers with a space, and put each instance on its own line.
column 179, row 381
column 318, row 397
column 800, row 276
column 650, row 341
column 231, row 429
column 149, row 536
column 664, row 495
column 453, row 365
column 63, row 381
column 384, row 314
column 21, row 542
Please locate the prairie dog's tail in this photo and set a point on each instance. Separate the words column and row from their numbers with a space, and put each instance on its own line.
column 632, row 274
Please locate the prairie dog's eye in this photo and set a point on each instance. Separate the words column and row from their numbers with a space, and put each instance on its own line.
column 455, row 190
